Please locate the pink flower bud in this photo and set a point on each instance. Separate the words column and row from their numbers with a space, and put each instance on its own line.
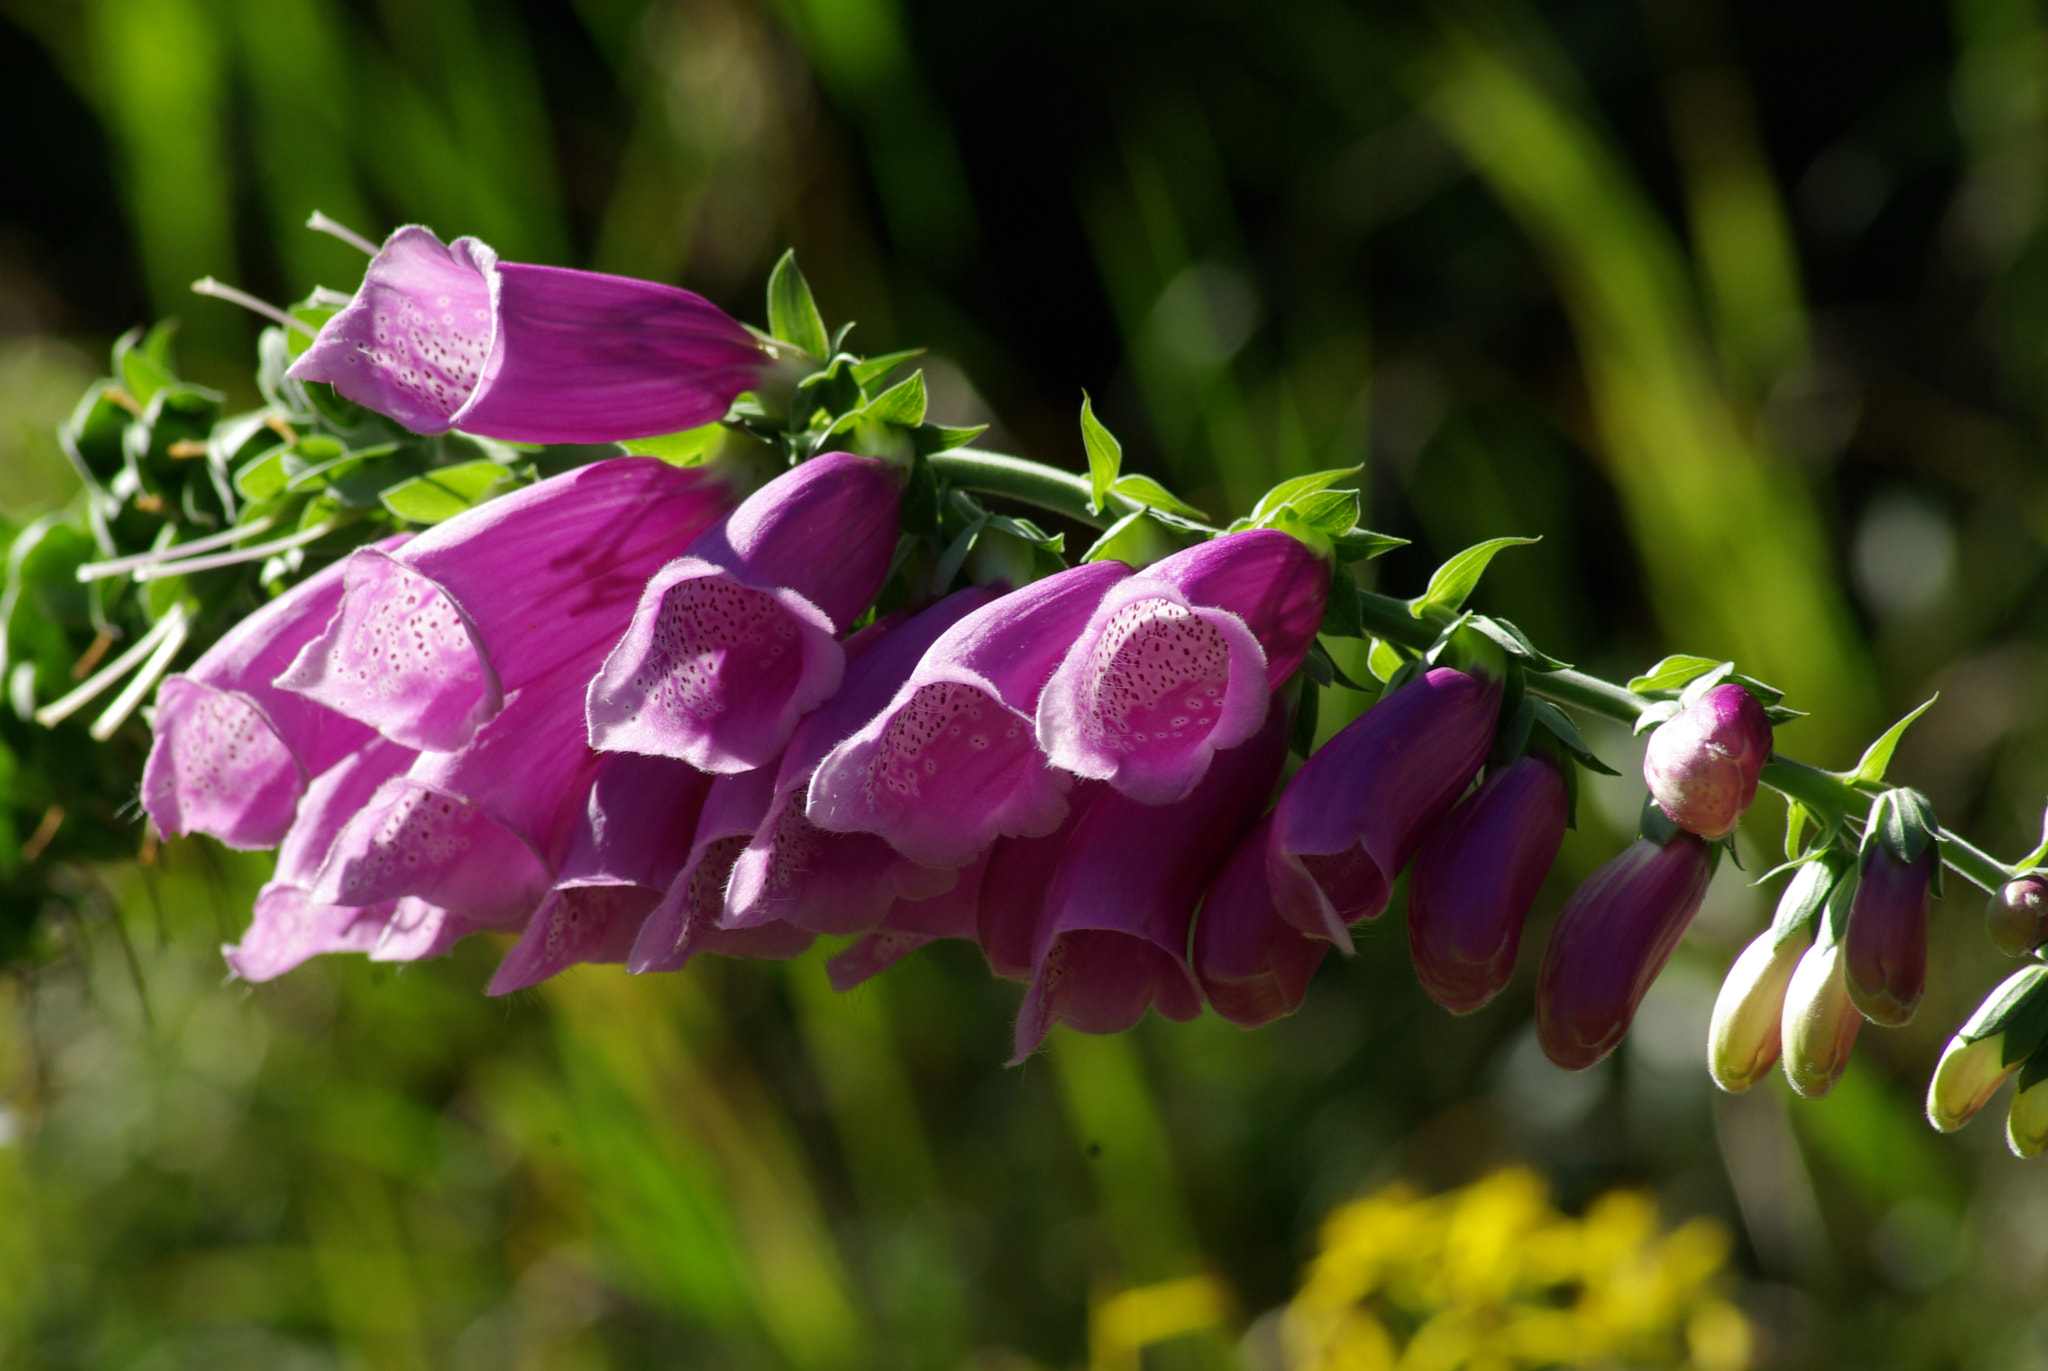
column 1702, row 766
column 2018, row 917
column 1885, row 949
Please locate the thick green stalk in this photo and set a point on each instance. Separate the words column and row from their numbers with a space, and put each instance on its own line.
column 1827, row 795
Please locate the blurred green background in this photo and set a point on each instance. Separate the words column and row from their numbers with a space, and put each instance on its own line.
column 1744, row 308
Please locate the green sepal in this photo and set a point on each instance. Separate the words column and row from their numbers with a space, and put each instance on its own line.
column 1383, row 659
column 1903, row 821
column 2032, row 1074
column 1806, row 894
column 2018, row 1008
column 1834, row 924
column 1797, row 817
column 2037, row 856
column 1464, row 648
column 1149, row 493
column 1140, row 538
column 1362, row 544
column 1302, row 739
column 1560, row 726
column 1516, row 643
column 1292, row 491
column 792, row 312
column 955, row 555
column 1870, row 770
column 1653, row 823
column 1673, row 673
column 921, row 501
column 1663, row 712
column 1105, row 457
column 1455, row 580
column 873, row 369
column 926, row 439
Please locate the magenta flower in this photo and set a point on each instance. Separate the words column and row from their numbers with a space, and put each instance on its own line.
column 1359, row 808
column 1112, row 935
column 1475, row 878
column 1702, row 765
column 1014, row 885
column 625, row 846
column 1177, row 662
column 443, row 338
column 430, row 638
column 686, row 921
column 232, row 753
column 290, row 926
column 909, row 925
column 838, row 883
column 1884, row 952
column 1253, row 965
column 735, row 641
column 952, row 763
column 409, row 839
column 1612, row 941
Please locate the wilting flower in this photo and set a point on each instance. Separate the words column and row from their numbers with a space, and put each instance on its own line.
column 1979, row 1058
column 827, row 882
column 1820, row 1020
column 736, row 640
column 2017, row 919
column 1475, row 878
column 952, row 763
column 431, row 637
column 624, row 848
column 1253, row 965
column 685, row 922
column 232, row 753
column 448, row 337
column 1112, row 935
column 1357, row 810
column 1177, row 662
column 1702, row 766
column 1611, row 942
column 1885, row 949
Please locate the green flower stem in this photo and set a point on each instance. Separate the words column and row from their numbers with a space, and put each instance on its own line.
column 1827, row 795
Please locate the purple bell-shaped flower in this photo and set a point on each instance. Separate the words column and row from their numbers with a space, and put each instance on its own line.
column 449, row 337
column 1884, row 953
column 1253, row 965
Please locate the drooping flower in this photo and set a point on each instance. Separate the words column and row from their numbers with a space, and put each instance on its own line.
column 1253, row 965
column 735, row 641
column 2017, row 918
column 1703, row 764
column 952, row 763
column 624, row 849
column 1475, row 878
column 232, row 753
column 1746, row 1032
column 839, row 883
column 1978, row 1059
column 1360, row 807
column 1611, row 942
column 1820, row 1020
column 1013, row 888
column 1112, row 935
column 431, row 637
column 686, row 921
column 909, row 925
column 411, row 840
column 449, row 337
column 1885, row 949
column 1178, row 661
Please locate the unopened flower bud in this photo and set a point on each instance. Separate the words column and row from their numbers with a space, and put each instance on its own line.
column 2026, row 1123
column 1885, row 949
column 1982, row 1056
column 1744, row 1037
column 2018, row 917
column 1820, row 1020
column 1702, row 766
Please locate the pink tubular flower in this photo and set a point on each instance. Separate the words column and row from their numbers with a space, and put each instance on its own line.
column 1112, row 935
column 1357, row 810
column 430, row 638
column 1177, row 662
column 735, row 641
column 1475, row 878
column 624, row 848
column 1014, row 884
column 1612, row 940
column 443, row 338
column 794, row 871
column 1884, row 952
column 909, row 925
column 952, row 763
column 1253, row 965
column 1702, row 766
column 686, row 921
column 232, row 753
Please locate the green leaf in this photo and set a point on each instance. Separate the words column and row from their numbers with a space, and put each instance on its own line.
column 443, row 494
column 1105, row 456
column 143, row 362
column 1383, row 660
column 930, row 438
column 1139, row 538
column 689, row 448
column 956, row 555
column 1878, row 755
column 1148, row 492
column 1806, row 895
column 875, row 368
column 901, row 404
column 1673, row 673
column 1560, row 726
column 1295, row 488
column 2038, row 855
column 1362, row 545
column 1329, row 512
column 263, row 475
column 2016, row 1009
column 792, row 314
column 1797, row 817
column 1661, row 712
column 1455, row 579
column 1516, row 643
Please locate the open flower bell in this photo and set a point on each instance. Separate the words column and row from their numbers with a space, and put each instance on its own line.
column 444, row 337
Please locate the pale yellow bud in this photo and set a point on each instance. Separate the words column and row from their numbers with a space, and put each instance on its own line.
column 1820, row 1020
column 1968, row 1075
column 1744, row 1037
column 2026, row 1124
